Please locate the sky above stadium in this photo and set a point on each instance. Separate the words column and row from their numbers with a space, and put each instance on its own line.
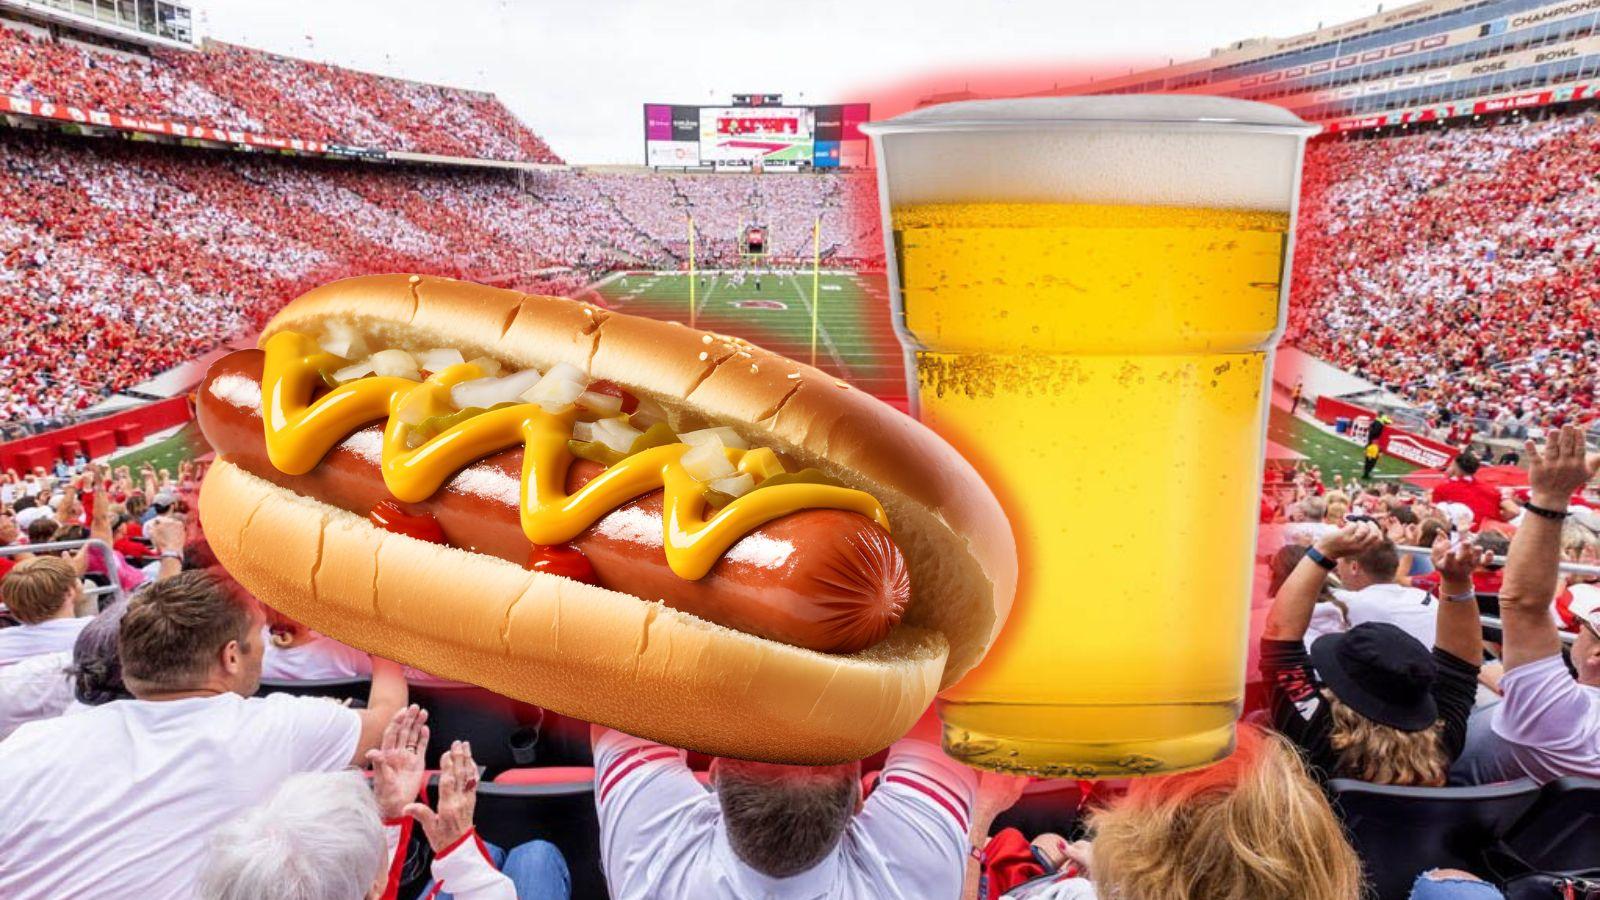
column 579, row 72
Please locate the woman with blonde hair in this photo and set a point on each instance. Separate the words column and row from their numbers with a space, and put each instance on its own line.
column 1373, row 703
column 1252, row 827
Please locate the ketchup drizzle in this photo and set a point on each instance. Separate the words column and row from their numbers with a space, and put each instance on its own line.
column 391, row 516
column 562, row 559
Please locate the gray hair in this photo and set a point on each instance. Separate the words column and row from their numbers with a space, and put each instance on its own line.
column 96, row 671
column 1313, row 509
column 318, row 837
column 784, row 820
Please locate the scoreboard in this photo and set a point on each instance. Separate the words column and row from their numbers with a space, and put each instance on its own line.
column 755, row 134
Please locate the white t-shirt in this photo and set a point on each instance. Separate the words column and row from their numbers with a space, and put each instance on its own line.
column 33, row 514
column 1412, row 610
column 119, row 800
column 19, row 642
column 36, row 688
column 318, row 659
column 1550, row 720
column 661, row 833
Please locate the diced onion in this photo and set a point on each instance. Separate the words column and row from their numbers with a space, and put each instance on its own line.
column 721, row 434
column 734, row 485
column 583, row 431
column 604, row 404
column 648, row 413
column 487, row 365
column 568, row 372
column 616, row 434
column 554, row 394
column 486, row 392
column 439, row 359
column 353, row 371
column 395, row 363
column 342, row 339
column 707, row 462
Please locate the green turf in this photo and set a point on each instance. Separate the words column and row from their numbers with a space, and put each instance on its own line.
column 854, row 339
column 1332, row 453
column 185, row 443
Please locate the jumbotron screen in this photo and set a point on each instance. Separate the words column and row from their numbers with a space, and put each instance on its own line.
column 745, row 136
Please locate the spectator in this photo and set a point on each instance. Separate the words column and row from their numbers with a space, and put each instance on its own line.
column 1549, row 721
column 1462, row 486
column 43, row 594
column 1370, row 593
column 1372, row 703
column 38, row 687
column 296, row 653
column 118, row 799
column 96, row 670
column 317, row 837
column 1253, row 826
column 784, row 831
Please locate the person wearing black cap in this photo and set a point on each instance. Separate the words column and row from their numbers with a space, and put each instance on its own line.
column 1373, row 703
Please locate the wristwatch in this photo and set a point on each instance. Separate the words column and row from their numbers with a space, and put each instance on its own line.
column 172, row 554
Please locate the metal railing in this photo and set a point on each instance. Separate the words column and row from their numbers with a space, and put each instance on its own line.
column 1494, row 622
column 114, row 589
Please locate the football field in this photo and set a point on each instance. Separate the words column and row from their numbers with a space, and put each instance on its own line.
column 854, row 338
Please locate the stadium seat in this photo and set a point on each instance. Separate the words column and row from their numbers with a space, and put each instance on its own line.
column 546, row 775
column 1052, row 805
column 1401, row 832
column 503, row 732
column 352, row 689
column 1561, row 831
column 561, row 813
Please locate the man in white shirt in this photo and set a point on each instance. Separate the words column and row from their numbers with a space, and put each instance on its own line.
column 1550, row 720
column 41, row 593
column 36, row 688
column 1370, row 594
column 119, row 800
column 770, row 832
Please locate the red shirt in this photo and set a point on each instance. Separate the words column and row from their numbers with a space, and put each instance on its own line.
column 7, row 563
column 1483, row 500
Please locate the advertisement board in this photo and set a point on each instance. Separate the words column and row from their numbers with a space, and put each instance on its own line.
column 775, row 136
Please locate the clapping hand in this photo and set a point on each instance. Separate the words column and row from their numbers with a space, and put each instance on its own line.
column 1456, row 561
column 1351, row 540
column 458, row 799
column 397, row 769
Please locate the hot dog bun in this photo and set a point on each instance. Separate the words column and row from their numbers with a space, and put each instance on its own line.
column 605, row 656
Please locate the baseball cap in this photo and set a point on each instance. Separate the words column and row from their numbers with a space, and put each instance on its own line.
column 1585, row 604
column 164, row 499
column 1380, row 672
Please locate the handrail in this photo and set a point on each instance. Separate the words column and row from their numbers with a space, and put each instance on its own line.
column 114, row 588
column 1569, row 567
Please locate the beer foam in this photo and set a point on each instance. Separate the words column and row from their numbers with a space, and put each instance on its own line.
column 1158, row 150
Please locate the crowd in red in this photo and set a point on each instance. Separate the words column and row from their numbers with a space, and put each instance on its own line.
column 1459, row 268
column 121, row 260
column 238, row 88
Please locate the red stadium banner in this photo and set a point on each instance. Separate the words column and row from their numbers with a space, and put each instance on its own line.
column 1482, row 106
column 46, row 110
column 1396, row 442
column 98, row 436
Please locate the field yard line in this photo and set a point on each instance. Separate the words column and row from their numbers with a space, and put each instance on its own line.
column 822, row 330
column 702, row 299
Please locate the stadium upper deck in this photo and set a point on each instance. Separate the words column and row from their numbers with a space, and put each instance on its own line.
column 1437, row 59
column 75, row 69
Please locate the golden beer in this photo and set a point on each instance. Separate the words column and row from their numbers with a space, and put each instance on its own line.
column 1105, row 366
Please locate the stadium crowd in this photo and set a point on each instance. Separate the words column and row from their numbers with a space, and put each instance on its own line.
column 1459, row 268
column 143, row 757
column 122, row 260
column 241, row 89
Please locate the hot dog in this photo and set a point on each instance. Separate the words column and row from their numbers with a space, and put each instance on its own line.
column 824, row 579
column 664, row 530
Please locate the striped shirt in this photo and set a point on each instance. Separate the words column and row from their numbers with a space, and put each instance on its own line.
column 661, row 831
